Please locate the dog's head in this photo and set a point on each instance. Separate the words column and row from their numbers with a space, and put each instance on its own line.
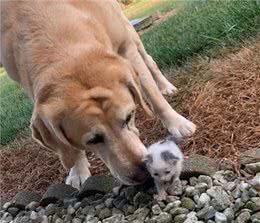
column 94, row 110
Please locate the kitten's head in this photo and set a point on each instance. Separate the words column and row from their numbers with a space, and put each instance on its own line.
column 164, row 167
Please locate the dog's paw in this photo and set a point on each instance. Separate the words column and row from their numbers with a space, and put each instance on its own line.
column 180, row 127
column 76, row 180
column 167, row 88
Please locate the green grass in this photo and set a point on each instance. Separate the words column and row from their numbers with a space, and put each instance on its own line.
column 142, row 8
column 202, row 27
column 15, row 109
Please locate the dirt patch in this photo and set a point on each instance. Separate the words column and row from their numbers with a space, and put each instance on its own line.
column 220, row 96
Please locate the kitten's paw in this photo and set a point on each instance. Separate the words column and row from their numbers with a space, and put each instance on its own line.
column 161, row 196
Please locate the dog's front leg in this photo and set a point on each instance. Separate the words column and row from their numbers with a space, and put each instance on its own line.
column 176, row 124
column 78, row 165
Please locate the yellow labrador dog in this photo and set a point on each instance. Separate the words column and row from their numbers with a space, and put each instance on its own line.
column 85, row 69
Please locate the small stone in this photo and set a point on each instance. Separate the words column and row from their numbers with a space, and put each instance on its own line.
column 190, row 191
column 76, row 220
column 203, row 200
column 199, row 165
column 129, row 193
column 172, row 205
column 34, row 216
column 243, row 217
column 109, row 202
column 6, row 218
column 180, row 218
column 141, row 213
column 188, row 203
column 51, row 209
column 99, row 207
column 220, row 218
column 178, row 211
column 128, row 209
column 255, row 216
column 256, row 201
column 221, row 199
column 77, row 205
column 161, row 204
column 104, row 213
column 201, row 187
column 116, row 211
column 229, row 213
column 67, row 218
column 176, row 189
column 191, row 218
column 119, row 202
column 32, row 206
column 253, row 168
column 7, row 205
column 193, row 181
column 98, row 184
column 219, row 177
column 156, row 209
column 206, row 213
column 252, row 192
column 164, row 217
column 171, row 198
column 255, row 182
column 236, row 193
column 196, row 198
column 114, row 219
column 205, row 179
column 13, row 211
column 230, row 186
column 245, row 196
column 141, row 198
column 24, row 219
column 22, row 199
column 238, row 205
column 59, row 220
column 71, row 210
column 57, row 192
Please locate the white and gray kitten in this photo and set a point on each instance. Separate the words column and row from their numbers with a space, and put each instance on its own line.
column 164, row 161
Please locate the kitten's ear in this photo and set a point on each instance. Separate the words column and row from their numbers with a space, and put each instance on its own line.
column 148, row 160
column 169, row 157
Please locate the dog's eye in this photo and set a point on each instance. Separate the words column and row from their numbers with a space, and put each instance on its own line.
column 98, row 138
column 167, row 172
column 156, row 174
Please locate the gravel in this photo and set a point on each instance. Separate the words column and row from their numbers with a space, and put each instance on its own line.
column 220, row 198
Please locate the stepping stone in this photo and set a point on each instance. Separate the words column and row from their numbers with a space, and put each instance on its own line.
column 98, row 184
column 196, row 165
column 57, row 192
column 22, row 199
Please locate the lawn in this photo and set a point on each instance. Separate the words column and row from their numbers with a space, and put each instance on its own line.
column 199, row 27
column 15, row 109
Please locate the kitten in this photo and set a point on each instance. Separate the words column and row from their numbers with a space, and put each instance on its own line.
column 164, row 162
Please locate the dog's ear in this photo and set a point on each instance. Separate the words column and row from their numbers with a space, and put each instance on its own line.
column 169, row 157
column 135, row 91
column 46, row 127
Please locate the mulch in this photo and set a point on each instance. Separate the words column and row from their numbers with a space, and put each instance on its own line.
column 222, row 97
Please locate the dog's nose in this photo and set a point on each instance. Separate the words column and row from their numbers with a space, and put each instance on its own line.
column 140, row 174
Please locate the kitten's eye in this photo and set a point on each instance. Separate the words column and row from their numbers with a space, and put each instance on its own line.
column 167, row 172
column 98, row 138
column 156, row 174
